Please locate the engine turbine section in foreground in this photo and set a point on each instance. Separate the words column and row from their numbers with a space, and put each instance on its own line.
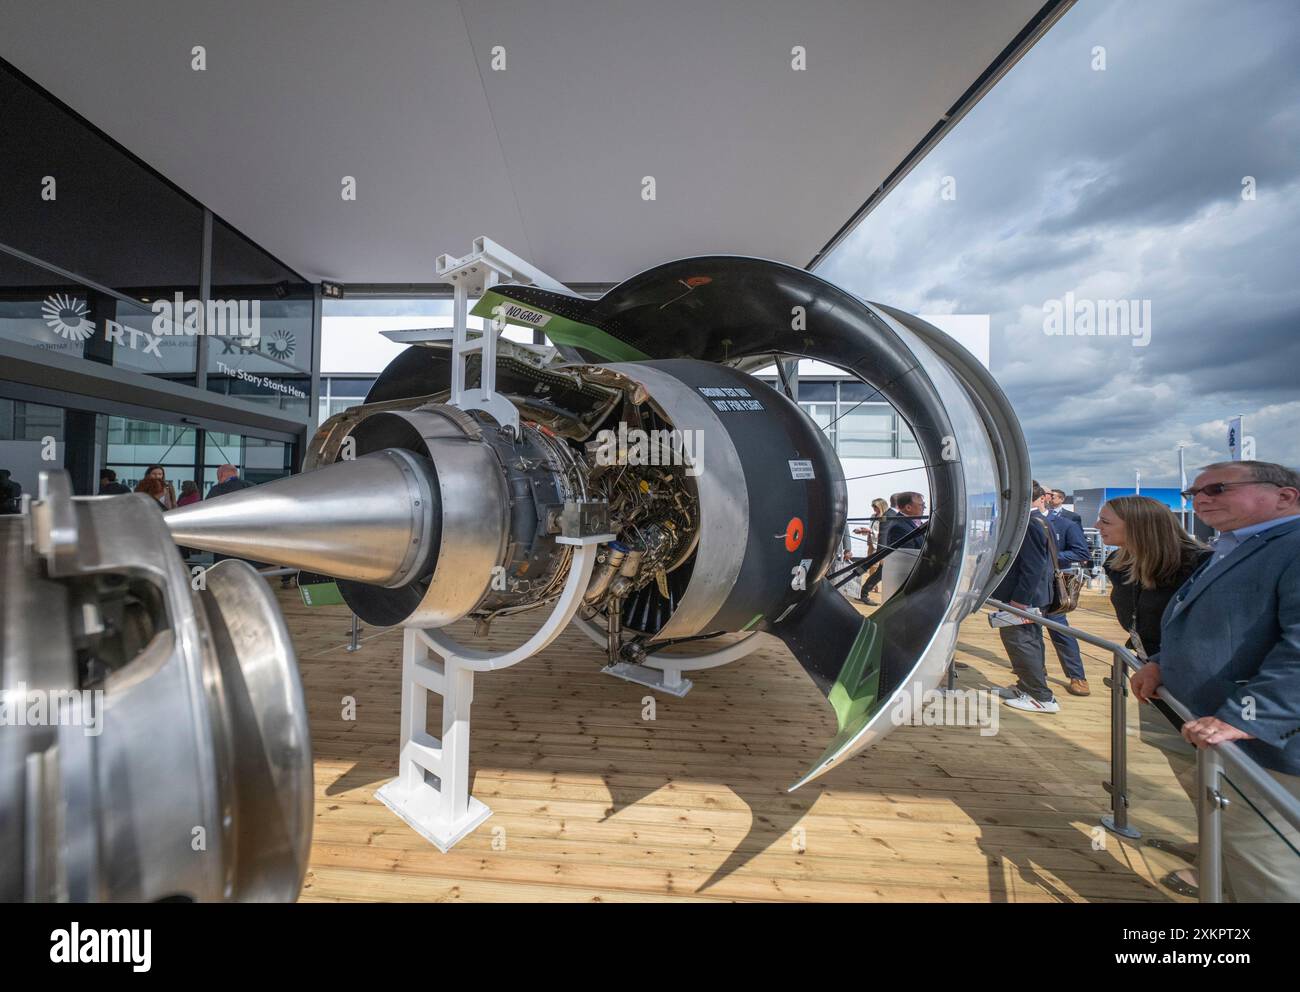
column 155, row 742
column 718, row 503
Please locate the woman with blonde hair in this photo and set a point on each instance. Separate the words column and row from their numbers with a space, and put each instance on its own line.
column 872, row 533
column 878, row 506
column 1155, row 557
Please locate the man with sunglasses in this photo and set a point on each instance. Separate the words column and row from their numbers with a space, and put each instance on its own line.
column 1230, row 649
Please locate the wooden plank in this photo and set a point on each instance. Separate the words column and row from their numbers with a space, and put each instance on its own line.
column 592, row 803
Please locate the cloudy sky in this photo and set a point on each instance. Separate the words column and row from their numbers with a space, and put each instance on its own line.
column 1120, row 184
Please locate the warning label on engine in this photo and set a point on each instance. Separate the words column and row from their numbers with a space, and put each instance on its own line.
column 522, row 315
column 800, row 469
column 730, row 398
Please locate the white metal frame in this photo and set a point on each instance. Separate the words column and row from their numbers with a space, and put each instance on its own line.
column 432, row 789
column 484, row 267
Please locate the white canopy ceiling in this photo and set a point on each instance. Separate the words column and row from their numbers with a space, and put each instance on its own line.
column 546, row 156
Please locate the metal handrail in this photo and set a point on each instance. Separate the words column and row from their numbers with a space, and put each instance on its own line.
column 1211, row 762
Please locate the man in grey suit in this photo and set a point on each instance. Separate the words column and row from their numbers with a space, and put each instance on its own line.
column 1230, row 650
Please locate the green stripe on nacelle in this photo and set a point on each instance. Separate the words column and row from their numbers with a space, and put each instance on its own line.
column 559, row 329
column 854, row 694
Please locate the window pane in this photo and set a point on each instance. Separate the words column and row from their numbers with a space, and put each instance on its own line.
column 262, row 337
column 870, row 420
column 821, row 413
column 47, row 311
column 907, row 447
column 345, row 386
column 867, row 431
column 854, row 391
column 816, row 391
column 861, row 447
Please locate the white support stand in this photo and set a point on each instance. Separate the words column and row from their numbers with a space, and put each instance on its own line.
column 431, row 791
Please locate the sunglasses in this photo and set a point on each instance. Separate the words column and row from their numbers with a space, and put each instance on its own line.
column 1219, row 488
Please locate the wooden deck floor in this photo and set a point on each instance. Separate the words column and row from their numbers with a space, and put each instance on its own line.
column 592, row 802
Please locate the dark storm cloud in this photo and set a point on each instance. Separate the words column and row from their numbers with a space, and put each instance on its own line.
column 1020, row 257
column 1120, row 184
column 1228, row 356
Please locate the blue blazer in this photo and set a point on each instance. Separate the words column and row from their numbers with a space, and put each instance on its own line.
column 1071, row 546
column 899, row 531
column 1230, row 642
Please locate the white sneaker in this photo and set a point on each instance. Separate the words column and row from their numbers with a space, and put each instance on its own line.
column 1031, row 705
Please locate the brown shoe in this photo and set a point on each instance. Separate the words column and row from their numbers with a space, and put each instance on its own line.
column 1079, row 687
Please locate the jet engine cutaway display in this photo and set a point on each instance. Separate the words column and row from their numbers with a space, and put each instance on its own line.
column 719, row 504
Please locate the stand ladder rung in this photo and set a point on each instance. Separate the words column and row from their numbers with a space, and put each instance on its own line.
column 426, row 751
column 429, row 676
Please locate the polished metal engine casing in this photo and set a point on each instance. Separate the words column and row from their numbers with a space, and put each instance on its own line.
column 198, row 785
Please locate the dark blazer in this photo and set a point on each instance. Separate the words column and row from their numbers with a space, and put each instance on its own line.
column 1143, row 608
column 1230, row 643
column 1071, row 515
column 1029, row 579
column 113, row 489
column 231, row 485
column 899, row 531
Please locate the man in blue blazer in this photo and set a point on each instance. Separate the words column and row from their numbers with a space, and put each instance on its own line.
column 1071, row 550
column 1230, row 650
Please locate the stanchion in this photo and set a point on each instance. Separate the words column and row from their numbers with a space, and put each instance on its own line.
column 1117, row 821
column 1209, row 826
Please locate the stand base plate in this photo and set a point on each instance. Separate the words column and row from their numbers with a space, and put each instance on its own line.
column 419, row 812
column 651, row 678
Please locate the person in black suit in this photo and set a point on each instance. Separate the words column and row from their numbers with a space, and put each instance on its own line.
column 108, row 484
column 1057, row 506
column 1028, row 583
column 228, row 481
column 899, row 530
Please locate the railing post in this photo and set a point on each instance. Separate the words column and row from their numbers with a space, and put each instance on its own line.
column 1210, row 802
column 1117, row 821
column 1209, row 825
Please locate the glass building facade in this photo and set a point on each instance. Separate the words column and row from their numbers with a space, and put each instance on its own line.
column 136, row 327
column 33, row 437
column 858, row 426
